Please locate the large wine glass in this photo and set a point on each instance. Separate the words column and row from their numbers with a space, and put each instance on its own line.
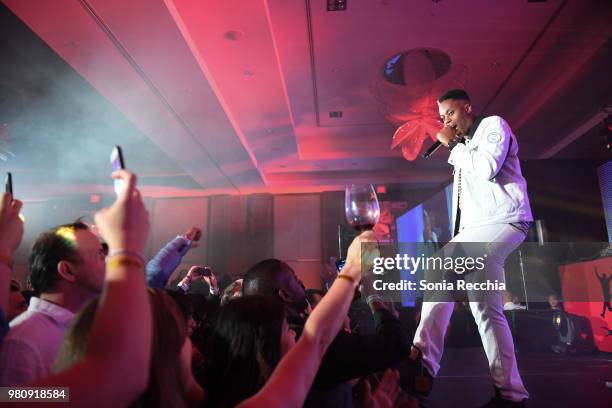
column 361, row 206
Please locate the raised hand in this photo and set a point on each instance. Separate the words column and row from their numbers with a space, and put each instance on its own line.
column 197, row 271
column 11, row 226
column 125, row 224
column 445, row 135
column 212, row 283
column 361, row 254
column 194, row 234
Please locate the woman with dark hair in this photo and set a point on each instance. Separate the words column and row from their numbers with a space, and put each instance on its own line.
column 186, row 308
column 170, row 380
column 194, row 309
column 250, row 338
column 255, row 360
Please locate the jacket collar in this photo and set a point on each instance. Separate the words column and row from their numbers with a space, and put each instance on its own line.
column 472, row 130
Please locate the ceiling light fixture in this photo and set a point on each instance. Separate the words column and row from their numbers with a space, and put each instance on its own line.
column 336, row 5
column 233, row 35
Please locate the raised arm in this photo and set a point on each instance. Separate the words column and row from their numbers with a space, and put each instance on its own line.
column 382, row 349
column 115, row 369
column 161, row 266
column 11, row 233
column 292, row 378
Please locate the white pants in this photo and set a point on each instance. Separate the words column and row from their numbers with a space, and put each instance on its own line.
column 498, row 241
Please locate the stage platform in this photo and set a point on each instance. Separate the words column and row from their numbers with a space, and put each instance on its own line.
column 552, row 380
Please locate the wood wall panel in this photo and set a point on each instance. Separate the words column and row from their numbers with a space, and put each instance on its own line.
column 170, row 217
column 297, row 235
column 332, row 216
column 260, row 228
column 241, row 232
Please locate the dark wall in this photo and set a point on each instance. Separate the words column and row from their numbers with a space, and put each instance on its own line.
column 565, row 194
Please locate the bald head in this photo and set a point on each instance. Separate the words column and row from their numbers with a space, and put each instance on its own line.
column 275, row 278
column 266, row 277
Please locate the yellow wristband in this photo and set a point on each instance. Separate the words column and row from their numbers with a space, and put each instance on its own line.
column 125, row 252
column 124, row 260
column 348, row 278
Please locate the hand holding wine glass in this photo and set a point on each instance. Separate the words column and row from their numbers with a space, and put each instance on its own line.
column 361, row 206
column 362, row 212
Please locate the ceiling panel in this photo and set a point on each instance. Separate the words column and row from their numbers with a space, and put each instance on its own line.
column 237, row 94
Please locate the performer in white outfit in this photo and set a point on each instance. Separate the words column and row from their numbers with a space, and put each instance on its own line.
column 490, row 206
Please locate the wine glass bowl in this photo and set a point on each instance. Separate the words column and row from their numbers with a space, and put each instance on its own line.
column 361, row 206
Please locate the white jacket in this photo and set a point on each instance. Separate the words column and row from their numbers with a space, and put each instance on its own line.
column 493, row 190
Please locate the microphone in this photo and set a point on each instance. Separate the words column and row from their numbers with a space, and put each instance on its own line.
column 432, row 149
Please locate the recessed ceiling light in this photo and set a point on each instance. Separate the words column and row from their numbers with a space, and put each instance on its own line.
column 423, row 62
column 233, row 35
column 336, row 5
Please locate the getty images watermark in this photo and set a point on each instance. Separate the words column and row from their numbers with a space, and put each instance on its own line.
column 531, row 272
column 457, row 265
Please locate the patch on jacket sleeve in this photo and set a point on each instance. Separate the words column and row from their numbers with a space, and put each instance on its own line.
column 494, row 137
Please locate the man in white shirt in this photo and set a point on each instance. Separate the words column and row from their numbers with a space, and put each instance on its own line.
column 67, row 265
column 511, row 302
column 490, row 207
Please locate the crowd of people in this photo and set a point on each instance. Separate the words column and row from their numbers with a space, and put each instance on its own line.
column 119, row 331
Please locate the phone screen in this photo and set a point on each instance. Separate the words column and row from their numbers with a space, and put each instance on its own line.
column 340, row 264
column 117, row 163
column 8, row 183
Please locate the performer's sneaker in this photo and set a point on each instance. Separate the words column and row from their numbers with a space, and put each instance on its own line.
column 505, row 403
column 423, row 381
column 499, row 402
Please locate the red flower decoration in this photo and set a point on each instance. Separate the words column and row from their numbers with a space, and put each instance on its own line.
column 413, row 105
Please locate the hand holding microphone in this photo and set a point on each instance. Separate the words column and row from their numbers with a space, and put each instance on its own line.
column 445, row 135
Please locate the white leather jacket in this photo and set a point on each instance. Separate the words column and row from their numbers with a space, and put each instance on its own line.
column 493, row 190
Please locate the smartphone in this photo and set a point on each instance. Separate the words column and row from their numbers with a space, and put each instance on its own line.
column 339, row 265
column 117, row 163
column 8, row 183
column 202, row 271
